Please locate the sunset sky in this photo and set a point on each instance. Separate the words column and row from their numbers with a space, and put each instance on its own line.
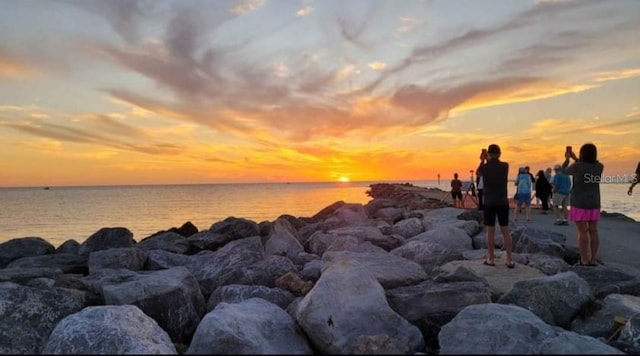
column 155, row 92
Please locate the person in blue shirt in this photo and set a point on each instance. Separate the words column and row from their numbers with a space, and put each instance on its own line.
column 524, row 183
column 561, row 189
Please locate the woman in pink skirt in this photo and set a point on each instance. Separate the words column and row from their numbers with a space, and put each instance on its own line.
column 585, row 199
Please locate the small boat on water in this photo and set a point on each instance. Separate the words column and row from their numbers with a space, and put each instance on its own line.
column 46, row 188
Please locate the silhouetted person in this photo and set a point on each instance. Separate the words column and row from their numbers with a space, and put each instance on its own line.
column 496, row 204
column 456, row 191
column 635, row 180
column 543, row 190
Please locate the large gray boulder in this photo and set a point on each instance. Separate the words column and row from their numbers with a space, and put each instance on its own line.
column 105, row 238
column 171, row 297
column 493, row 329
column 555, row 299
column 353, row 244
column 630, row 333
column 161, row 259
column 207, row 240
column 528, row 239
column 570, row 343
column 408, row 227
column 264, row 272
column 23, row 247
column 390, row 270
column 24, row 275
column 427, row 254
column 168, row 241
column 347, row 312
column 349, row 214
column 69, row 246
column 452, row 238
column 547, row 264
column 115, row 330
column 236, row 293
column 283, row 240
column 225, row 266
column 312, row 270
column 28, row 315
column 601, row 323
column 251, row 327
column 607, row 279
column 431, row 305
column 68, row 263
column 236, row 228
column 320, row 242
column 125, row 257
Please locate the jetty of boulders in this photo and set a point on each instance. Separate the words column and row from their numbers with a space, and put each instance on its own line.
column 402, row 274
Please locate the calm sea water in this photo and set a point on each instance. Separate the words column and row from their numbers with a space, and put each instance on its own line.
column 63, row 213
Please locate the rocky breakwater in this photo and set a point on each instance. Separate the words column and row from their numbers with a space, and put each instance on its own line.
column 390, row 276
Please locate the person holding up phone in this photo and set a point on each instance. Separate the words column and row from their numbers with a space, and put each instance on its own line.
column 484, row 156
column 585, row 199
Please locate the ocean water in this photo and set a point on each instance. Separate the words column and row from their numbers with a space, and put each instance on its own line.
column 62, row 213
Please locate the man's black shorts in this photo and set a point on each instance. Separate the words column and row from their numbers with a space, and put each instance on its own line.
column 456, row 195
column 499, row 211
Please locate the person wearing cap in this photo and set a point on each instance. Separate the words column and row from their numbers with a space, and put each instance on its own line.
column 561, row 188
column 495, row 175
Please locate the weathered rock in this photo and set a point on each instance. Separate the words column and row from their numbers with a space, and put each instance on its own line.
column 605, row 280
column 94, row 283
column 320, row 242
column 347, row 308
column 376, row 204
column 41, row 282
column 548, row 265
column 187, row 229
column 472, row 215
column 69, row 246
column 471, row 227
column 426, row 254
column 312, row 270
column 451, row 238
column 630, row 332
column 125, row 257
column 295, row 222
column 236, row 228
column 167, row 241
column 283, row 240
column 328, row 211
column 389, row 214
column 390, row 270
column 161, row 259
column 569, row 343
column 252, row 327
column 555, row 299
column 353, row 244
column 408, row 227
column 236, row 293
column 229, row 263
column 601, row 323
column 527, row 239
column 459, row 274
column 207, row 240
column 28, row 315
column 350, row 214
column 307, row 231
column 431, row 305
column 475, row 254
column 21, row 275
column 292, row 282
column 76, row 281
column 480, row 240
column 23, row 247
column 106, row 238
column 115, row 330
column 171, row 297
column 499, row 278
column 493, row 329
column 68, row 263
column 303, row 258
column 265, row 272
column 444, row 214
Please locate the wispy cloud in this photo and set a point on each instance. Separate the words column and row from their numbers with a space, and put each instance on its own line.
column 13, row 68
column 246, row 6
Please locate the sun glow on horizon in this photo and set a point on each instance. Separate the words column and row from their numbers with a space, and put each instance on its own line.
column 344, row 180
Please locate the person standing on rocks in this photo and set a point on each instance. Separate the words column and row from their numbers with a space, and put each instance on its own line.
column 561, row 189
column 635, row 180
column 495, row 175
column 456, row 191
column 585, row 200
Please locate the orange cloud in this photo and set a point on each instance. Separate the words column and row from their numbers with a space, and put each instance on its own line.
column 12, row 68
